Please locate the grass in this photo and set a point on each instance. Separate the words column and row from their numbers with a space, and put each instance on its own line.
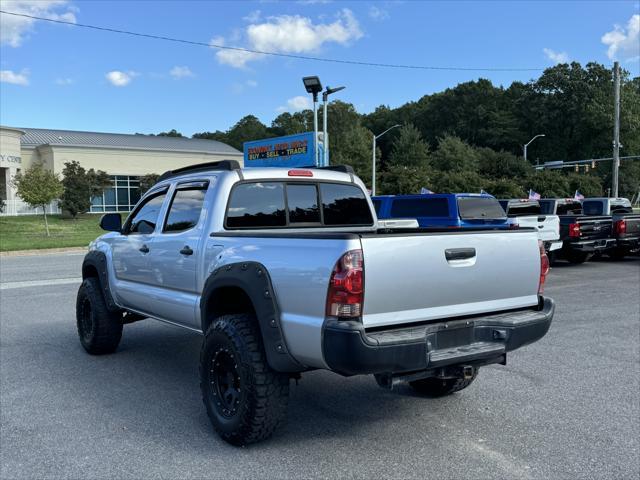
column 27, row 232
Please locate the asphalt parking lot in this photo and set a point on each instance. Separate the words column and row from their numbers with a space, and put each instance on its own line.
column 565, row 407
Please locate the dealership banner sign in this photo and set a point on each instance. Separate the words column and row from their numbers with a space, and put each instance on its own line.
column 289, row 151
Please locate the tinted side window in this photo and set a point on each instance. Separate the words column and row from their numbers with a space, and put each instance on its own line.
column 185, row 209
column 592, row 208
column 344, row 205
column 420, row 207
column 255, row 205
column 479, row 208
column 145, row 219
column 302, row 201
column 569, row 208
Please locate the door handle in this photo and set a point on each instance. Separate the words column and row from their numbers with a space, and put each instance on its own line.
column 459, row 253
column 186, row 250
column 144, row 249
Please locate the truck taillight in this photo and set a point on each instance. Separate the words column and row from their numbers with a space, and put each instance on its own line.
column 621, row 227
column 346, row 286
column 544, row 268
column 574, row 230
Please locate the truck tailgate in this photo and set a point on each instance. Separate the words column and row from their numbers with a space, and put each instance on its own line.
column 594, row 228
column 420, row 277
column 548, row 226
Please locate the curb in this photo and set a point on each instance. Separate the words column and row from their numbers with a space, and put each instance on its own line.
column 43, row 251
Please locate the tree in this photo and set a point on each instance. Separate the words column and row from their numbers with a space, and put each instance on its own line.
column 588, row 185
column 457, row 182
column 403, row 179
column 147, row 181
column 79, row 186
column 409, row 148
column 505, row 188
column 549, row 183
column 171, row 133
column 289, row 124
column 502, row 164
column 38, row 187
column 454, row 155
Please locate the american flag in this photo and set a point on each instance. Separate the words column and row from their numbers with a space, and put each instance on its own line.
column 533, row 195
column 425, row 191
column 578, row 195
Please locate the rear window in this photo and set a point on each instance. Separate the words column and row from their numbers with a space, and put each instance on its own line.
column 344, row 205
column 569, row 208
column 592, row 208
column 264, row 205
column 254, row 205
column 419, row 207
column 516, row 209
column 479, row 208
column 546, row 206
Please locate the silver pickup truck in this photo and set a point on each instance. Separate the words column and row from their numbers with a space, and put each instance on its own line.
column 286, row 270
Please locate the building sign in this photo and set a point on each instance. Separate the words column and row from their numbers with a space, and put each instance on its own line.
column 10, row 159
column 290, row 151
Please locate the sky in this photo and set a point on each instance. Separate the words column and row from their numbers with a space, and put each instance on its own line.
column 67, row 77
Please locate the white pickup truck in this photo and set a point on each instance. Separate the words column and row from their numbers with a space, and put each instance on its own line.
column 523, row 213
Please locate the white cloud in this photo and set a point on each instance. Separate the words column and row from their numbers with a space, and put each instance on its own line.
column 624, row 44
column 14, row 30
column 292, row 34
column 9, row 76
column 238, row 87
column 178, row 72
column 378, row 14
column 556, row 57
column 253, row 17
column 120, row 79
column 64, row 81
column 296, row 104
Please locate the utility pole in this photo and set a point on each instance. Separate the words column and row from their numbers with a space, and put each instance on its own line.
column 616, row 128
column 325, row 133
column 373, row 159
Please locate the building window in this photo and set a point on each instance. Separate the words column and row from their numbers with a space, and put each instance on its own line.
column 122, row 196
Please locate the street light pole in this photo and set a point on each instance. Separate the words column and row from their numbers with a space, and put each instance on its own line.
column 373, row 159
column 616, row 129
column 325, row 133
column 529, row 142
column 312, row 85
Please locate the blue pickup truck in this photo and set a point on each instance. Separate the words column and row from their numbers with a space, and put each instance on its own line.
column 444, row 210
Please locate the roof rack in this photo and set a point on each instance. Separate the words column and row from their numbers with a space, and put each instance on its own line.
column 201, row 167
column 338, row 168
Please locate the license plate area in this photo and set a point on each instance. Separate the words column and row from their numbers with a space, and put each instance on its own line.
column 448, row 337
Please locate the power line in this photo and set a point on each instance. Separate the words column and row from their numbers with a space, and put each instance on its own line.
column 274, row 54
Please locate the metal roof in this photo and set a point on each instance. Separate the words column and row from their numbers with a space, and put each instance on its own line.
column 34, row 137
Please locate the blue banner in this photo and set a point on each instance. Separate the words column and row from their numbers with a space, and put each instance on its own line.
column 289, row 151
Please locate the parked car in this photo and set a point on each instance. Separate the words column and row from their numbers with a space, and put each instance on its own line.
column 285, row 271
column 625, row 224
column 581, row 235
column 524, row 213
column 444, row 210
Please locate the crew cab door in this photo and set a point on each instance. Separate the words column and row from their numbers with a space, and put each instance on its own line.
column 130, row 251
column 176, row 254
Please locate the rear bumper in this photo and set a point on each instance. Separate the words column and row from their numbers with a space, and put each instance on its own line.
column 550, row 246
column 631, row 243
column 590, row 246
column 483, row 340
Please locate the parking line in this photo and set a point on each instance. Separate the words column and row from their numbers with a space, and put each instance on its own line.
column 39, row 283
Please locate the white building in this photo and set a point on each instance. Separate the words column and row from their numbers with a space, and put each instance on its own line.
column 124, row 157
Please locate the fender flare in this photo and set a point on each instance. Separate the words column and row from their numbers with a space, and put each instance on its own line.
column 253, row 278
column 98, row 261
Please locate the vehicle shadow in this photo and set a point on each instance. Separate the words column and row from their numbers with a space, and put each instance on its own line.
column 154, row 377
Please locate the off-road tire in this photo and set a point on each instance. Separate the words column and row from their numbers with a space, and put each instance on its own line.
column 576, row 257
column 245, row 399
column 437, row 387
column 99, row 329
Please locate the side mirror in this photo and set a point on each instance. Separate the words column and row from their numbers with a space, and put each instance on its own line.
column 111, row 222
